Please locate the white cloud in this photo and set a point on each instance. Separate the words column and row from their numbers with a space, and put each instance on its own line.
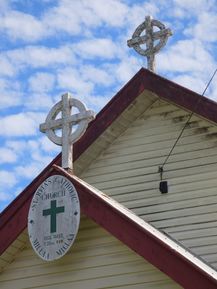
column 205, row 29
column 70, row 17
column 40, row 56
column 101, row 47
column 125, row 69
column 189, row 9
column 7, row 180
column 186, row 56
column 21, row 124
column 41, row 82
column 29, row 171
column 96, row 75
column 80, row 46
column 7, row 156
column 48, row 146
column 136, row 15
column 17, row 145
column 39, row 101
column 9, row 98
column 76, row 17
column 190, row 81
column 37, row 156
column 4, row 5
column 37, row 159
column 194, row 7
column 95, row 102
column 67, row 17
column 190, row 63
column 82, row 17
column 6, row 66
column 23, row 26
column 111, row 12
column 70, row 79
column 38, row 152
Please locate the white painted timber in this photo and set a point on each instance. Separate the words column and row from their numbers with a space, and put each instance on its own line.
column 145, row 100
column 97, row 260
column 123, row 162
column 10, row 254
column 128, row 171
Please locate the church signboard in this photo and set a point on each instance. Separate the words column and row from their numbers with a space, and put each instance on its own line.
column 54, row 217
column 54, row 214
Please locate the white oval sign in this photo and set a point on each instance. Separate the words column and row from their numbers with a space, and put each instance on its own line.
column 54, row 217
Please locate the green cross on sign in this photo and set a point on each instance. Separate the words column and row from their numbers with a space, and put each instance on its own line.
column 53, row 211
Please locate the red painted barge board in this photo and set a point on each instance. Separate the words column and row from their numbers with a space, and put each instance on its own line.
column 153, row 249
column 13, row 219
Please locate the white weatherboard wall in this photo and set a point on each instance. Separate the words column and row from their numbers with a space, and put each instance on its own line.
column 128, row 171
column 96, row 260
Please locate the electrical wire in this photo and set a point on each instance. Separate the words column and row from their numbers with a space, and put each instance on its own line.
column 185, row 125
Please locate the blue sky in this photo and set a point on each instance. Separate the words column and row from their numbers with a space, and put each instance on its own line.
column 49, row 47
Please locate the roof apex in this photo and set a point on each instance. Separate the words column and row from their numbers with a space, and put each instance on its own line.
column 13, row 219
column 142, row 80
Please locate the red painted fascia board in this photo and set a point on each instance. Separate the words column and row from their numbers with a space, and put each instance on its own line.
column 153, row 249
column 15, row 217
column 27, row 193
column 142, row 80
column 102, row 121
column 181, row 96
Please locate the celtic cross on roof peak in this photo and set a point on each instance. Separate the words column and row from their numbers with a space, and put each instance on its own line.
column 80, row 120
column 149, row 39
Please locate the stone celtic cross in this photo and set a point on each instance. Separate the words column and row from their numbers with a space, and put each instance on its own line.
column 149, row 39
column 69, row 136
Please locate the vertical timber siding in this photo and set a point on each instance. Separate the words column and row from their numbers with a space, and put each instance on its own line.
column 96, row 260
column 128, row 172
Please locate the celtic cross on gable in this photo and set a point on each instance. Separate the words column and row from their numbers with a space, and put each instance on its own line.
column 149, row 39
column 80, row 120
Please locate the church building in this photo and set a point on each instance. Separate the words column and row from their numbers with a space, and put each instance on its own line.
column 132, row 235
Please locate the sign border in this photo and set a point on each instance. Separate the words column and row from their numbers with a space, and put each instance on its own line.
column 41, row 190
